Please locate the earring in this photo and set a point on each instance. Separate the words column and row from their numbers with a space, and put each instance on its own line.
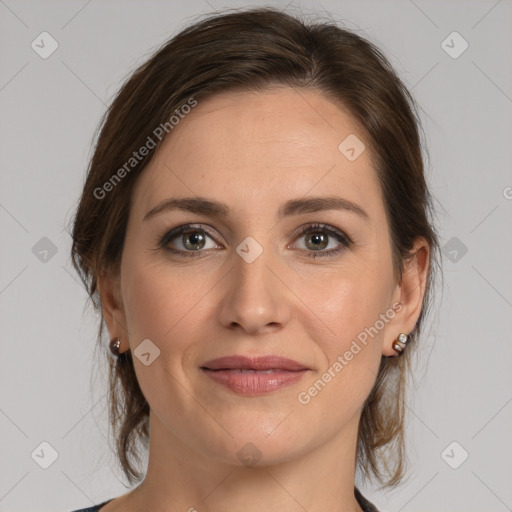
column 400, row 344
column 114, row 346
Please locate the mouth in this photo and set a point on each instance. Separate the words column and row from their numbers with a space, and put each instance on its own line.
column 254, row 375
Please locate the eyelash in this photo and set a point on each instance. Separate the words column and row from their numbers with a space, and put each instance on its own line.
column 343, row 239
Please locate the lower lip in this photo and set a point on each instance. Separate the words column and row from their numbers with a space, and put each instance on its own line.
column 255, row 383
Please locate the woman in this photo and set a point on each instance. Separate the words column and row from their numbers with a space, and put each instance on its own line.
column 255, row 230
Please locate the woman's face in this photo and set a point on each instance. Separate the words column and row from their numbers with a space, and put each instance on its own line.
column 268, row 188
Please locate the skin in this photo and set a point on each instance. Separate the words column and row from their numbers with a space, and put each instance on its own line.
column 254, row 151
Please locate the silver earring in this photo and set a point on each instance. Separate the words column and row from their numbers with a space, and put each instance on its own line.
column 401, row 343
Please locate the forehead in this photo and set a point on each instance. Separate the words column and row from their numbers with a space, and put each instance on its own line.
column 259, row 146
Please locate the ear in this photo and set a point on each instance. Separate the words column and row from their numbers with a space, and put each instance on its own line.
column 113, row 311
column 409, row 293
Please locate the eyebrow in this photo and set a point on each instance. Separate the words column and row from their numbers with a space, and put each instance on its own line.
column 204, row 206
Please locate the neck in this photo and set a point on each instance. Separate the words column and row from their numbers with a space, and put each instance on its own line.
column 179, row 478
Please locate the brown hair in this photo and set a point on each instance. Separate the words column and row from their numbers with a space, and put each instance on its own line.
column 253, row 50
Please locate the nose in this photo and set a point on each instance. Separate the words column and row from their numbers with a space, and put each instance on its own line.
column 255, row 299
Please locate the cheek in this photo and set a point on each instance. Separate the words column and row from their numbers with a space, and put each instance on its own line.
column 346, row 313
column 163, row 306
column 348, row 301
column 158, row 302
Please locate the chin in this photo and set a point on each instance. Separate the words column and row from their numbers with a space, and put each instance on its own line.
column 261, row 445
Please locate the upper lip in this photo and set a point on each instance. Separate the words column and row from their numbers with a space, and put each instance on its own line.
column 254, row 363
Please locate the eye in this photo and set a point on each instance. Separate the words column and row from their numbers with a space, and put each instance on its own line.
column 319, row 237
column 187, row 240
column 320, row 241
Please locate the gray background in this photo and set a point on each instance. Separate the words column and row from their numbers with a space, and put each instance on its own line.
column 50, row 109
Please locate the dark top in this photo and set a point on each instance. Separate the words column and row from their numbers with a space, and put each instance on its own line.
column 363, row 503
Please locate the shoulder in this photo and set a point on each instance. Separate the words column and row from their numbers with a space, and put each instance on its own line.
column 364, row 503
column 95, row 508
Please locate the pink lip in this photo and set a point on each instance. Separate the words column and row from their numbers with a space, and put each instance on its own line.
column 254, row 376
